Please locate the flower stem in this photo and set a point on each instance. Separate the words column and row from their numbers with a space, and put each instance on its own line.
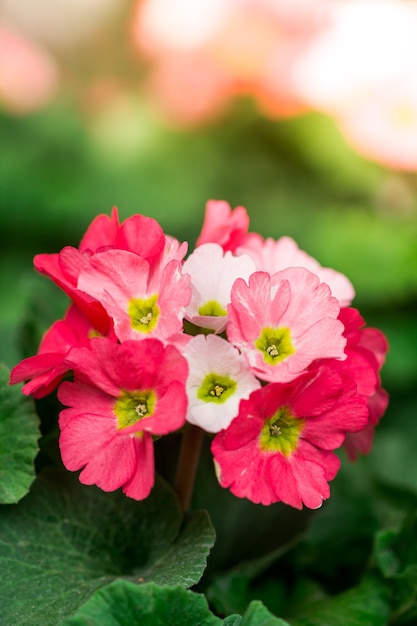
column 192, row 439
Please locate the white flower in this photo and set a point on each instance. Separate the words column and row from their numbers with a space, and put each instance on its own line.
column 218, row 379
column 213, row 273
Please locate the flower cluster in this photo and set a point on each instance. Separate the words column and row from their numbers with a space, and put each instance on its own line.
column 248, row 339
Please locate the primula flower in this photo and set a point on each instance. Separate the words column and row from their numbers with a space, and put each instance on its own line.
column 218, row 379
column 382, row 126
column 224, row 226
column 46, row 369
column 284, row 322
column 279, row 447
column 213, row 273
column 366, row 349
column 122, row 395
column 29, row 75
column 139, row 234
column 273, row 256
column 140, row 302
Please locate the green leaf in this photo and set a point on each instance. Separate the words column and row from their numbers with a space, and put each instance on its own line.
column 396, row 557
column 364, row 605
column 337, row 545
column 65, row 540
column 179, row 560
column 258, row 615
column 19, row 434
column 233, row 590
column 122, row 604
column 393, row 450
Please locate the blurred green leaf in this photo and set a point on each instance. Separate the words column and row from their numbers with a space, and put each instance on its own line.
column 65, row 540
column 19, row 434
column 396, row 556
column 364, row 605
column 232, row 591
column 337, row 545
column 378, row 253
column 393, row 459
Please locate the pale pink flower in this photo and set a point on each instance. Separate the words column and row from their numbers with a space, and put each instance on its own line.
column 284, row 322
column 212, row 274
column 218, row 379
column 224, row 226
column 122, row 395
column 272, row 255
column 177, row 75
column 279, row 447
column 29, row 76
column 382, row 126
column 201, row 59
column 362, row 47
column 140, row 302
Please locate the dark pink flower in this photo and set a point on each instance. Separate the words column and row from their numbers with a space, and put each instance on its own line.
column 64, row 269
column 122, row 395
column 45, row 370
column 224, row 226
column 280, row 446
column 139, row 234
column 366, row 350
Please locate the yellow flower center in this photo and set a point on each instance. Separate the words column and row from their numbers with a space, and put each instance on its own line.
column 281, row 432
column 143, row 313
column 275, row 344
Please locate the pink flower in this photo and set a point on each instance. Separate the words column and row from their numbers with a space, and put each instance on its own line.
column 382, row 126
column 272, row 256
column 29, row 75
column 366, row 349
column 63, row 269
column 46, row 369
column 213, row 272
column 139, row 234
column 224, row 226
column 279, row 447
column 122, row 395
column 284, row 322
column 141, row 303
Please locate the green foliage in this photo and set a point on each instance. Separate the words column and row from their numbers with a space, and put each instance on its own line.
column 232, row 591
column 73, row 539
column 396, row 557
column 19, row 434
column 123, row 604
column 364, row 605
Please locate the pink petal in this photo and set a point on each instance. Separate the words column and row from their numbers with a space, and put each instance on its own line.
column 143, row 477
column 101, row 232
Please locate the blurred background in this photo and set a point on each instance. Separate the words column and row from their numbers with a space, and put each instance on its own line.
column 304, row 112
